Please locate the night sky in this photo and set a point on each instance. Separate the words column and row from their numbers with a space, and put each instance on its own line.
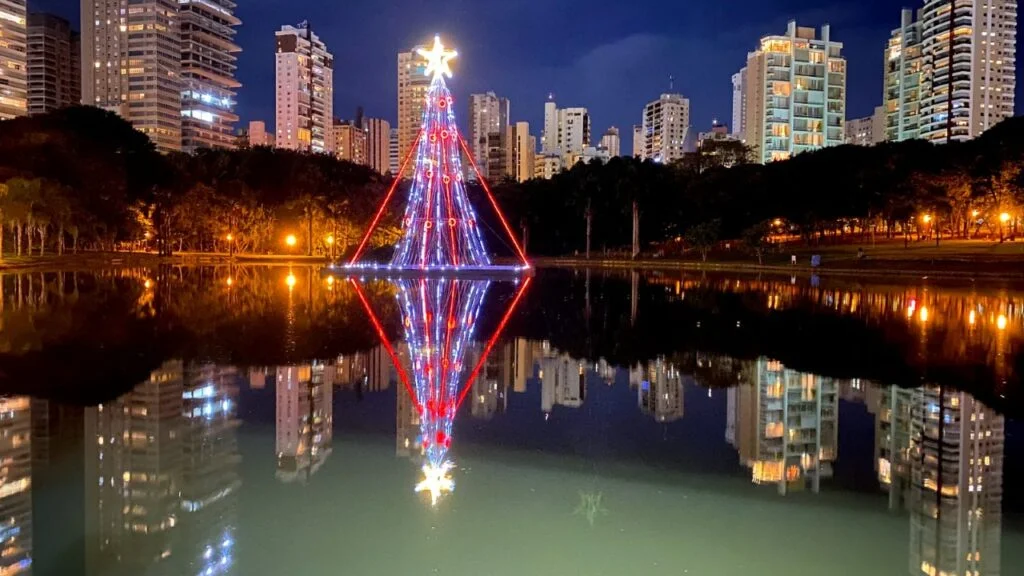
column 611, row 56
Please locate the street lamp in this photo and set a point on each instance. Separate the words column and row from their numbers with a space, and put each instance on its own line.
column 974, row 213
column 290, row 281
column 926, row 218
column 231, row 244
column 330, row 242
column 290, row 240
column 1003, row 219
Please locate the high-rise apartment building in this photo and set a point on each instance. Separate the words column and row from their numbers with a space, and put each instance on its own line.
column 610, row 142
column 305, row 91
column 13, row 59
column 866, row 131
column 349, row 142
column 208, row 73
column 54, row 64
column 904, row 76
column 739, row 103
column 665, row 124
column 524, row 150
column 566, row 131
column 983, row 67
column 393, row 153
column 413, row 83
column 131, row 65
column 549, row 136
column 500, row 154
column 563, row 381
column 796, row 93
column 638, row 141
column 488, row 114
column 378, row 144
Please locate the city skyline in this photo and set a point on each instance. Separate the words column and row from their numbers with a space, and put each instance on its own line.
column 625, row 46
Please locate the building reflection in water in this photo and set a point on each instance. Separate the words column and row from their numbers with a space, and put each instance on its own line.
column 15, row 485
column 659, row 388
column 784, row 424
column 955, row 478
column 304, row 419
column 162, row 474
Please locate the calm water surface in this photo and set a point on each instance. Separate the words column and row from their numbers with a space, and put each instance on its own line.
column 270, row 420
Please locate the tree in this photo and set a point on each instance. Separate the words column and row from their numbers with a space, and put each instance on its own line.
column 755, row 238
column 703, row 237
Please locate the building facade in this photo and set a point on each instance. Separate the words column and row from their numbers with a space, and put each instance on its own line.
column 546, row 165
column 349, row 142
column 378, row 144
column 796, row 93
column 13, row 59
column 665, row 123
column 867, row 131
column 305, row 91
column 413, row 83
column 904, row 75
column 566, row 131
column 524, row 151
column 488, row 114
column 304, row 420
column 131, row 65
column 638, row 142
column 208, row 56
column 54, row 64
column 659, row 389
column 393, row 153
column 258, row 134
column 983, row 66
column 739, row 103
column 610, row 142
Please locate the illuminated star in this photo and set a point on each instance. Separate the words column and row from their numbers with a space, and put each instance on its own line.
column 437, row 59
column 436, row 481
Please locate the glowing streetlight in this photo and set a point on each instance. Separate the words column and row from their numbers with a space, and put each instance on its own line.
column 923, row 314
column 926, row 218
column 147, row 284
column 230, row 237
column 974, row 213
column 777, row 222
column 330, row 280
column 290, row 280
column 231, row 245
column 230, row 281
column 290, row 240
column 1001, row 322
column 1004, row 217
column 330, row 242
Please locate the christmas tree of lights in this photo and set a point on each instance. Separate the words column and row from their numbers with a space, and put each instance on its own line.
column 440, row 229
column 439, row 317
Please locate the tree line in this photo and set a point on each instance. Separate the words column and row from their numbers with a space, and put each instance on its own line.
column 82, row 177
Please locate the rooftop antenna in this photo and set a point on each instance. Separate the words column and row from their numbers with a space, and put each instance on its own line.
column 671, row 82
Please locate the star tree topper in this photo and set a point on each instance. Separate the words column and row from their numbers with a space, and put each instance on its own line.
column 437, row 59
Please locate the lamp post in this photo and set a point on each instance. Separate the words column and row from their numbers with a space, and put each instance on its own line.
column 231, row 245
column 1003, row 219
column 290, row 241
column 330, row 242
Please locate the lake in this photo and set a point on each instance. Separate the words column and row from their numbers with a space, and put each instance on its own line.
column 233, row 420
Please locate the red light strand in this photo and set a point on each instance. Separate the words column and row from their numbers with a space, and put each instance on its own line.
column 490, row 344
column 387, row 198
column 387, row 343
column 494, row 203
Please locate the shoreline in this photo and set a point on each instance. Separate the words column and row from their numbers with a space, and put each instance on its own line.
column 951, row 266
column 939, row 268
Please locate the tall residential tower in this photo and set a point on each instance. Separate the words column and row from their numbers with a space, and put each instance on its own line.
column 665, row 123
column 488, row 114
column 305, row 91
column 131, row 65
column 412, row 92
column 208, row 73
column 795, row 93
column 13, row 62
column 54, row 64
